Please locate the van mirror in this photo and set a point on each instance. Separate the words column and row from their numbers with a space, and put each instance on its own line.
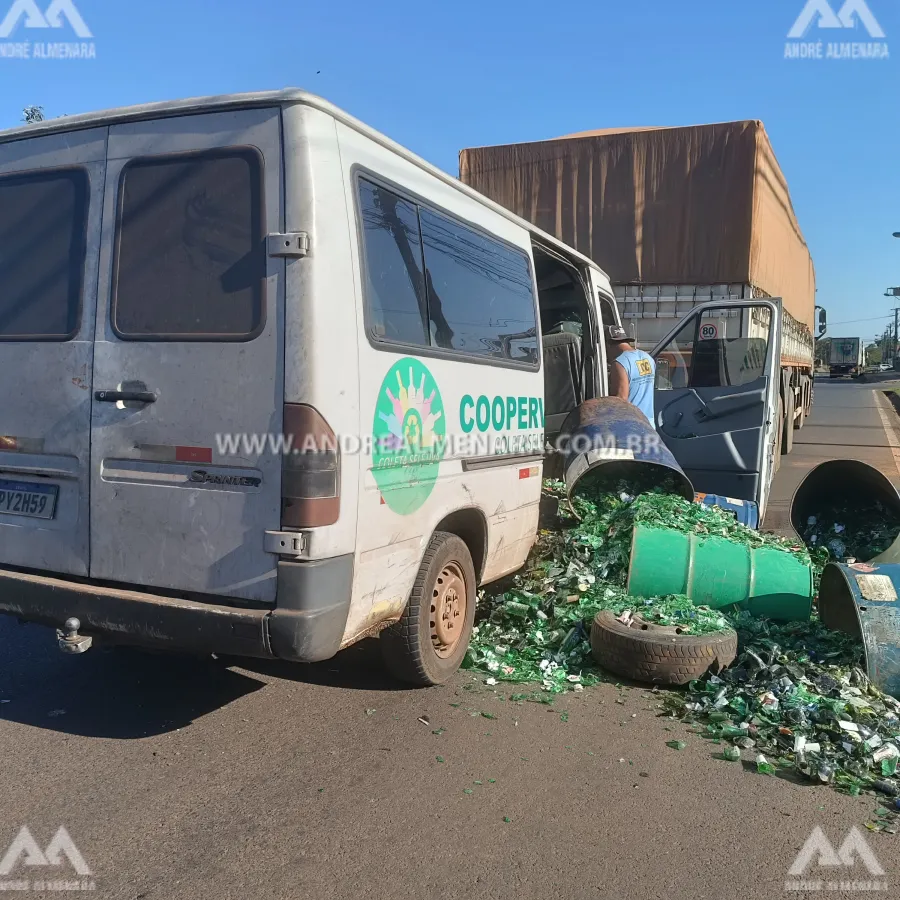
column 821, row 323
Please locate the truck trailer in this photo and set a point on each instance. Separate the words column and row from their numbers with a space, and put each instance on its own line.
column 679, row 217
column 846, row 357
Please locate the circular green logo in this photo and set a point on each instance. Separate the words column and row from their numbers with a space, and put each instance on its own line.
column 408, row 432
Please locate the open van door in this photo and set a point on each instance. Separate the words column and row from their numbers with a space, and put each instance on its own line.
column 716, row 397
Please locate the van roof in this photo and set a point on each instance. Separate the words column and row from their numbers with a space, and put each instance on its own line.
column 270, row 98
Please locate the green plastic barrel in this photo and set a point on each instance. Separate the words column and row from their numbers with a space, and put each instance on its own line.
column 717, row 572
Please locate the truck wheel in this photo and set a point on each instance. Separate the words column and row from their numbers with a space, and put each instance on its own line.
column 787, row 431
column 800, row 421
column 659, row 654
column 429, row 642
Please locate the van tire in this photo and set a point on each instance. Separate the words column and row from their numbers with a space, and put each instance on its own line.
column 415, row 649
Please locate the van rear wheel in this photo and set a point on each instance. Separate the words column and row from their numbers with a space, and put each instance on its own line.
column 429, row 642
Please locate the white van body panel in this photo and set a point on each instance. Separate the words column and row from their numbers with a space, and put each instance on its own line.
column 321, row 362
column 390, row 544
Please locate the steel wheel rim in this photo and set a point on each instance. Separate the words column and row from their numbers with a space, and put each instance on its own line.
column 449, row 601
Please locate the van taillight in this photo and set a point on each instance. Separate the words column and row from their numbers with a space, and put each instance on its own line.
column 311, row 471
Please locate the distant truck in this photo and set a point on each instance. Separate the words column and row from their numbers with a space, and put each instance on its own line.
column 681, row 217
column 847, row 357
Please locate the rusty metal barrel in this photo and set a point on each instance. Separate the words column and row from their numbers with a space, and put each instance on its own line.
column 608, row 439
column 863, row 599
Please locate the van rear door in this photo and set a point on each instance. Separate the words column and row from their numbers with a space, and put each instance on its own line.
column 716, row 397
column 51, row 197
column 188, row 356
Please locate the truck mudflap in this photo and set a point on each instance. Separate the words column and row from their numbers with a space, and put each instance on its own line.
column 306, row 625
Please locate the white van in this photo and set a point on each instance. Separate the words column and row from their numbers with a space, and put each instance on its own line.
column 191, row 289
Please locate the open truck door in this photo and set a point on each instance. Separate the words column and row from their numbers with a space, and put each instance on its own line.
column 717, row 397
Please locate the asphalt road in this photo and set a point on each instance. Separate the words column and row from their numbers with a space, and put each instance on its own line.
column 182, row 778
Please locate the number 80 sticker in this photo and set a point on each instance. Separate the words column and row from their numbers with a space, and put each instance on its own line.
column 708, row 332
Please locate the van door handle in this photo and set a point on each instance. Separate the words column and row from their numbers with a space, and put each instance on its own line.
column 134, row 396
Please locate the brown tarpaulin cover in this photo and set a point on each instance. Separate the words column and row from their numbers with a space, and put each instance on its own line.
column 707, row 204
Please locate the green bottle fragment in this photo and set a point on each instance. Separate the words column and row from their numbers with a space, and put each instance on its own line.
column 492, row 780
column 507, row 819
column 676, row 745
column 889, row 766
column 732, row 754
column 514, row 608
column 468, row 791
column 732, row 731
column 439, row 758
column 763, row 766
column 488, row 715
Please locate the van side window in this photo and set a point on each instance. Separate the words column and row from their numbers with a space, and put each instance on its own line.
column 393, row 266
column 190, row 256
column 43, row 222
column 433, row 282
column 480, row 293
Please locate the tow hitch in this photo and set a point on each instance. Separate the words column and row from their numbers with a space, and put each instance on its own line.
column 70, row 641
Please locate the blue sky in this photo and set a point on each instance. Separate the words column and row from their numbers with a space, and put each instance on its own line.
column 441, row 76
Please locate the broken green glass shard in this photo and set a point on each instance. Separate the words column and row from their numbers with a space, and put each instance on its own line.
column 676, row 745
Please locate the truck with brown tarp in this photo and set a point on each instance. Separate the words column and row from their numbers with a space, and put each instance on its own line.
column 679, row 217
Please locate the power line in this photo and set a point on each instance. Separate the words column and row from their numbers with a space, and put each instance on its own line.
column 889, row 315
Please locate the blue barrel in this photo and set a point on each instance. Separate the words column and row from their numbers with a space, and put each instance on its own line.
column 606, row 439
column 745, row 511
column 862, row 599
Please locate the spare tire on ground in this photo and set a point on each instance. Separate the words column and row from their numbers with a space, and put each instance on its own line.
column 659, row 654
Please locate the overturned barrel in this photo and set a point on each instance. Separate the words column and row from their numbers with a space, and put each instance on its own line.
column 717, row 572
column 858, row 489
column 861, row 599
column 608, row 439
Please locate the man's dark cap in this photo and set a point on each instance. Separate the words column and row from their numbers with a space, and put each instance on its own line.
column 616, row 334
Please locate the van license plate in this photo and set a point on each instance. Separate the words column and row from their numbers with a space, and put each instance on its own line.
column 22, row 498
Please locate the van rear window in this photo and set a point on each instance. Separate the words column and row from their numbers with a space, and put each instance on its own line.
column 190, row 257
column 43, row 221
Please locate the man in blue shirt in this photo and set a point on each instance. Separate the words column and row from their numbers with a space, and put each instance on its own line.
column 632, row 373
